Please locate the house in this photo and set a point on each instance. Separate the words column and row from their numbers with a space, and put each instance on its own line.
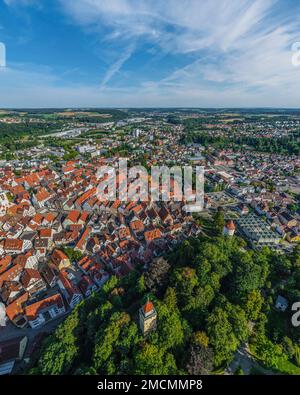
column 28, row 260
column 11, row 351
column 243, row 209
column 281, row 303
column 41, row 197
column 5, row 263
column 87, row 286
column 151, row 235
column 229, row 228
column 11, row 274
column 69, row 288
column 72, row 218
column 44, row 310
column 32, row 281
column 15, row 246
column 15, row 311
column 81, row 244
column 287, row 219
column 124, row 233
column 10, row 291
column 4, row 203
column 60, row 259
column 49, row 274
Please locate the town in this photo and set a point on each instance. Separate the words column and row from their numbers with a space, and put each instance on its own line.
column 59, row 243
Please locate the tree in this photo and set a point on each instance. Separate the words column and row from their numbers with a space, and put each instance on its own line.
column 253, row 304
column 60, row 349
column 169, row 327
column 200, row 360
column 288, row 347
column 219, row 221
column 157, row 275
column 201, row 339
column 72, row 254
column 247, row 275
column 151, row 359
column 239, row 371
column 106, row 339
column 238, row 320
column 185, row 280
column 268, row 352
column 221, row 335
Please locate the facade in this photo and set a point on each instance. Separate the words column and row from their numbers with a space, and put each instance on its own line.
column 44, row 310
column 147, row 318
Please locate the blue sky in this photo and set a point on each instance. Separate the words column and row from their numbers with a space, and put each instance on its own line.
column 148, row 53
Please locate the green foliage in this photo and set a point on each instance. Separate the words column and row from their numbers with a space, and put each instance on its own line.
column 253, row 304
column 205, row 293
column 72, row 254
column 151, row 359
column 60, row 349
column 269, row 352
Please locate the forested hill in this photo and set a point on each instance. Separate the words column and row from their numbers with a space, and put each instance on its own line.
column 211, row 295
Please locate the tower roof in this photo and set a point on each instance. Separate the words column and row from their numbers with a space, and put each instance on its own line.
column 230, row 225
column 148, row 307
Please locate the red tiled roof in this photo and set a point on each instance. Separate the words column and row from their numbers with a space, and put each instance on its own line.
column 15, row 308
column 153, row 234
column 32, row 310
column 230, row 225
column 148, row 307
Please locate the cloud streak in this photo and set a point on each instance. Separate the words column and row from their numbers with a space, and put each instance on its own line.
column 233, row 52
column 116, row 66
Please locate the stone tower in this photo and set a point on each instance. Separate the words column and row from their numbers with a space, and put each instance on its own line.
column 229, row 228
column 147, row 316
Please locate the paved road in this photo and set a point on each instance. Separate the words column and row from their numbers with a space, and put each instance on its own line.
column 247, row 362
column 11, row 332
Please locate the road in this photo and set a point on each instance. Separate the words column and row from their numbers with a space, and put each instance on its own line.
column 247, row 362
column 10, row 331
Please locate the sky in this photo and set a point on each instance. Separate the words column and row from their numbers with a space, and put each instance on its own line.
column 150, row 53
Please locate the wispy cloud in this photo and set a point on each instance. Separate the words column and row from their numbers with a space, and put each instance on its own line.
column 116, row 66
column 234, row 52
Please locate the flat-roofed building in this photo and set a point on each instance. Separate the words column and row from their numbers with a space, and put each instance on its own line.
column 257, row 231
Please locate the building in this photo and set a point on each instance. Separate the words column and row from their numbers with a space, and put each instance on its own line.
column 257, row 231
column 229, row 228
column 60, row 259
column 11, row 351
column 4, row 203
column 45, row 310
column 69, row 289
column 147, row 318
column 281, row 303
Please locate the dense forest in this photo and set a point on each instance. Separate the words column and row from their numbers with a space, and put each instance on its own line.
column 211, row 296
column 285, row 145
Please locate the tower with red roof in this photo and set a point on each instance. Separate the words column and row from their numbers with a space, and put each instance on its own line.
column 147, row 317
column 229, row 228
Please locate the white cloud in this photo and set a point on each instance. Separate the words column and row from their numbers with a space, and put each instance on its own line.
column 116, row 66
column 244, row 42
column 238, row 52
